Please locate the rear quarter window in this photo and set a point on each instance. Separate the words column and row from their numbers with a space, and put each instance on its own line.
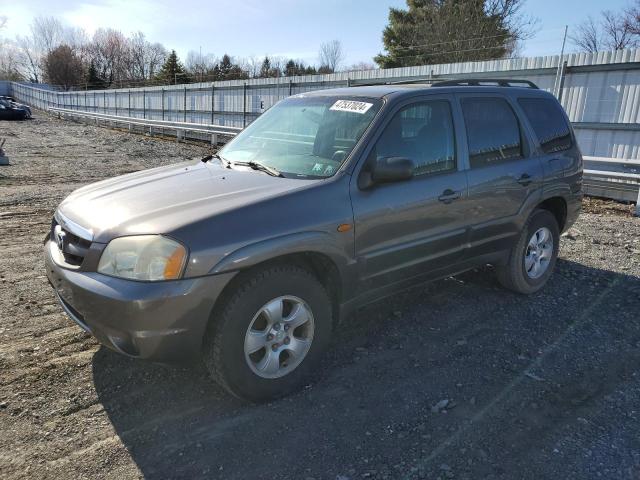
column 548, row 122
column 493, row 131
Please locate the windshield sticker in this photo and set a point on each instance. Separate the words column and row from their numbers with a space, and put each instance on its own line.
column 317, row 167
column 351, row 106
column 328, row 170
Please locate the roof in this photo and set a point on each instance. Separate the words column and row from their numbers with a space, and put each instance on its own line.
column 410, row 89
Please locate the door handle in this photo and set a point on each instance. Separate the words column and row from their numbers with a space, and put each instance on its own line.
column 525, row 179
column 449, row 196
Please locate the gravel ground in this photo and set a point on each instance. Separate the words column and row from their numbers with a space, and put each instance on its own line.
column 456, row 379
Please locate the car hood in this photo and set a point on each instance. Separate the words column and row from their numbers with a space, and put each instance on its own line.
column 164, row 199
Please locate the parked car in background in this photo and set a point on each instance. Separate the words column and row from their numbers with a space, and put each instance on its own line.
column 328, row 201
column 9, row 112
column 10, row 102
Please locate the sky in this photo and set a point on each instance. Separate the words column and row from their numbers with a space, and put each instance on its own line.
column 287, row 28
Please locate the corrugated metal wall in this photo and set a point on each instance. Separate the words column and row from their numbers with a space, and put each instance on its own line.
column 5, row 87
column 600, row 92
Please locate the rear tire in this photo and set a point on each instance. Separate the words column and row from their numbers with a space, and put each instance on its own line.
column 287, row 295
column 533, row 258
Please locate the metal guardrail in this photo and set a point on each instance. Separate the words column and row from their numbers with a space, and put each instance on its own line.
column 613, row 178
column 603, row 177
column 181, row 128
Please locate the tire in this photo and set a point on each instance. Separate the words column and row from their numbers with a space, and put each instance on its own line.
column 516, row 275
column 225, row 343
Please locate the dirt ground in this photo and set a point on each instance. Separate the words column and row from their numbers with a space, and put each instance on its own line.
column 456, row 379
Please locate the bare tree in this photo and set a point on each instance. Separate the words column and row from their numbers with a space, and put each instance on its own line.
column 331, row 55
column 47, row 33
column 157, row 56
column 143, row 59
column 251, row 65
column 519, row 25
column 29, row 58
column 200, row 65
column 9, row 68
column 587, row 36
column 361, row 66
column 109, row 52
column 617, row 31
column 614, row 31
column 632, row 18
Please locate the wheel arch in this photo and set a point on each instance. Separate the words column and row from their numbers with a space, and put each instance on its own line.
column 557, row 206
column 312, row 252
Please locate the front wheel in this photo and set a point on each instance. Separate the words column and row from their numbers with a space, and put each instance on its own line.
column 532, row 259
column 268, row 336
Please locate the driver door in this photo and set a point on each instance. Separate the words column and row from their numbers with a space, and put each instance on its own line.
column 415, row 227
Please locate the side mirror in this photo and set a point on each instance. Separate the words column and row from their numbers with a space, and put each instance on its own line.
column 385, row 170
column 392, row 169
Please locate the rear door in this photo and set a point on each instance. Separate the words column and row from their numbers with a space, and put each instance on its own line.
column 555, row 142
column 504, row 173
column 414, row 227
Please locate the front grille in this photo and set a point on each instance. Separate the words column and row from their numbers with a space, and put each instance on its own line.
column 74, row 248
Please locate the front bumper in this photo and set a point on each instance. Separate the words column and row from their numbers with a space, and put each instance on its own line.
column 155, row 320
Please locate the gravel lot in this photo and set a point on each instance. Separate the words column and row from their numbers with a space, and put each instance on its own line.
column 456, row 379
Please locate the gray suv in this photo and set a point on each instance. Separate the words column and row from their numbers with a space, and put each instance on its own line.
column 328, row 201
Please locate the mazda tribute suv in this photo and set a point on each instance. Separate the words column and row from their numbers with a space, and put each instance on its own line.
column 328, row 201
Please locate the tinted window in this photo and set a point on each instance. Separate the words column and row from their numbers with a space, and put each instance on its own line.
column 547, row 119
column 493, row 131
column 422, row 132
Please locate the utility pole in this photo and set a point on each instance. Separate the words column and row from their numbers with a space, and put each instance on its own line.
column 556, row 84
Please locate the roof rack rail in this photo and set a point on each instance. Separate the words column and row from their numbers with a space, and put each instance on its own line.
column 486, row 82
column 389, row 81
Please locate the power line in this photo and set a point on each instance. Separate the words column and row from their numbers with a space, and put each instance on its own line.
column 495, row 47
column 452, row 41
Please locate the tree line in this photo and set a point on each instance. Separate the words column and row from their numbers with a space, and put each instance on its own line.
column 59, row 55
column 425, row 32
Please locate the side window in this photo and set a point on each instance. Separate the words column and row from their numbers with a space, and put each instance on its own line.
column 493, row 131
column 424, row 133
column 548, row 121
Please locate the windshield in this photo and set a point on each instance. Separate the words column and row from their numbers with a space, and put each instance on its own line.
column 304, row 137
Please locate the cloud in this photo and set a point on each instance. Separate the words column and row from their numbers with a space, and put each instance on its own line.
column 125, row 15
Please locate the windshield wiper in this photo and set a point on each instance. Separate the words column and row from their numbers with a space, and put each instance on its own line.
column 259, row 166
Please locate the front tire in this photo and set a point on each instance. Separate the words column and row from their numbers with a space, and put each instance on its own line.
column 533, row 258
column 265, row 340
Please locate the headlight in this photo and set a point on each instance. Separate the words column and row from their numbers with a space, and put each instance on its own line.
column 143, row 257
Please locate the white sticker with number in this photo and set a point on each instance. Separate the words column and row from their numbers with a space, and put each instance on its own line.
column 351, row 106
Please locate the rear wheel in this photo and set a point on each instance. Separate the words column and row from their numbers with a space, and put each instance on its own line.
column 267, row 338
column 532, row 259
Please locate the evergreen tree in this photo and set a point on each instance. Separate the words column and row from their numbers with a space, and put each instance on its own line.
column 265, row 69
column 291, row 68
column 444, row 31
column 236, row 73
column 94, row 81
column 173, row 71
column 225, row 67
